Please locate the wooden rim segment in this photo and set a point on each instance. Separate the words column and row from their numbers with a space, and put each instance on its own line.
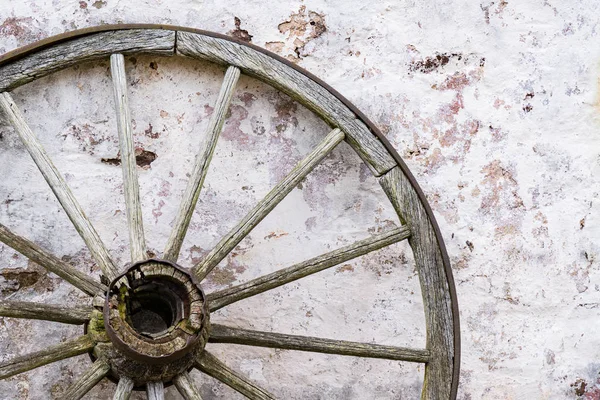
column 31, row 62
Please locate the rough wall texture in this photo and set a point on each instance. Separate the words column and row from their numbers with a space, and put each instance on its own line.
column 494, row 107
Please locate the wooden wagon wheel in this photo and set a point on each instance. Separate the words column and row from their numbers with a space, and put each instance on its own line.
column 141, row 355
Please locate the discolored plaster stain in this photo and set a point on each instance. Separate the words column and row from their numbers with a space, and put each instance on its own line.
column 143, row 158
column 432, row 63
column 232, row 131
column 196, row 254
column 33, row 276
column 493, row 8
column 285, row 108
column 502, row 188
column 302, row 28
column 21, row 29
column 275, row 235
column 226, row 275
column 239, row 33
column 579, row 387
column 150, row 132
column 383, row 263
column 247, row 98
column 87, row 136
column 99, row 4
column 275, row 47
column 157, row 210
column 344, row 268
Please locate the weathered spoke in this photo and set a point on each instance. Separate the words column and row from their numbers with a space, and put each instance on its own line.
column 210, row 365
column 194, row 186
column 58, row 186
column 186, row 387
column 267, row 204
column 52, row 354
column 124, row 389
column 155, row 391
column 69, row 315
column 87, row 381
column 52, row 263
column 128, row 164
column 259, row 285
column 226, row 334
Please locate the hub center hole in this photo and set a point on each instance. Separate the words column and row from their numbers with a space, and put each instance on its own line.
column 154, row 307
column 151, row 314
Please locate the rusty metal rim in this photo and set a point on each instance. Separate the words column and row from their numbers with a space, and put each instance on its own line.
column 53, row 40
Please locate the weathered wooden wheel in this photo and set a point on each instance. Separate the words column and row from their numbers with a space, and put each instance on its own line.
column 148, row 322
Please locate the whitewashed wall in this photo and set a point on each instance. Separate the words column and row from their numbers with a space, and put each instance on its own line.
column 493, row 106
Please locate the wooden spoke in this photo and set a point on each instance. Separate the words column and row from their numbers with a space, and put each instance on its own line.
column 52, row 263
column 52, row 354
column 124, row 389
column 155, row 391
column 69, row 315
column 87, row 381
column 210, row 365
column 226, row 334
column 194, row 186
column 231, row 295
column 186, row 387
column 267, row 204
column 58, row 186
column 128, row 164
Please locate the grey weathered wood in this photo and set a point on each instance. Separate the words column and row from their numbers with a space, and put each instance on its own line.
column 194, row 186
column 49, row 355
column 48, row 312
column 259, row 285
column 303, row 89
column 87, row 48
column 226, row 334
column 210, row 365
column 137, row 242
column 59, row 187
column 267, row 204
column 155, row 391
column 434, row 283
column 52, row 263
column 87, row 381
column 124, row 389
column 186, row 387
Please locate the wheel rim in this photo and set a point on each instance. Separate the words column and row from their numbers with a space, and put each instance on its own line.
column 442, row 355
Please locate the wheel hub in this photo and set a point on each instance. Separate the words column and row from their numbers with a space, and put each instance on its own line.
column 156, row 320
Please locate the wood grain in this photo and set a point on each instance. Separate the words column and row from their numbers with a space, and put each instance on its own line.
column 186, row 387
column 59, row 187
column 83, row 49
column 259, row 285
column 297, row 85
column 137, row 242
column 210, row 365
column 266, row 205
column 124, row 389
column 194, row 186
column 70, row 348
column 48, row 312
column 52, row 263
column 434, row 283
column 226, row 334
column 87, row 381
column 155, row 391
